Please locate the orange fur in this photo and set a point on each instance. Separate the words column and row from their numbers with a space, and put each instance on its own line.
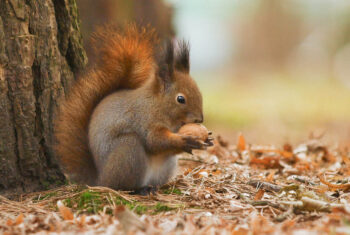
column 125, row 61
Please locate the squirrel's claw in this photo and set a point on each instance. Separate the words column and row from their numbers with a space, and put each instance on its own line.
column 209, row 141
column 191, row 143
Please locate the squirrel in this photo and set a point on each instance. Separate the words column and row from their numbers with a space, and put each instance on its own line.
column 117, row 126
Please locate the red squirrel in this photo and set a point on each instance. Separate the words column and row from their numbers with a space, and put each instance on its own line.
column 117, row 126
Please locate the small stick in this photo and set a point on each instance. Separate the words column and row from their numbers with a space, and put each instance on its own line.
column 190, row 159
column 264, row 185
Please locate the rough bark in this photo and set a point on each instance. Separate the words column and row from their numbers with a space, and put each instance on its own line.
column 40, row 52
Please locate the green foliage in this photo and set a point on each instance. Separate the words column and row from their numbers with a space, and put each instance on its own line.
column 134, row 206
column 45, row 196
column 161, row 208
column 92, row 202
column 172, row 191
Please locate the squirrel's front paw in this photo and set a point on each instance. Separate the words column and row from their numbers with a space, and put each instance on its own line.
column 190, row 143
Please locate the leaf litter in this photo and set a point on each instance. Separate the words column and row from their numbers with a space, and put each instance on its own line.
column 227, row 189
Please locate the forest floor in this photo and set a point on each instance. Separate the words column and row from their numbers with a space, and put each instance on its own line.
column 228, row 189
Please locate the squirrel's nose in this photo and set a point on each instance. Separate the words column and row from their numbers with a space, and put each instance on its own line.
column 200, row 120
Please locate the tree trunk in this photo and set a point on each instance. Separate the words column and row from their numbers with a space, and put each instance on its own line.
column 40, row 52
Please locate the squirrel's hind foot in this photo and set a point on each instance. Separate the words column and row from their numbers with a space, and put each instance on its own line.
column 146, row 190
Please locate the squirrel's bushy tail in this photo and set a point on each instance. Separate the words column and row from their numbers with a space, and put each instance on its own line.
column 125, row 60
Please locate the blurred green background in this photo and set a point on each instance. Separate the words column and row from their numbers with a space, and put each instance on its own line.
column 274, row 70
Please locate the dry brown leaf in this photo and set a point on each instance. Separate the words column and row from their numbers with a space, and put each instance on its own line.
column 288, row 147
column 65, row 212
column 259, row 195
column 9, row 222
column 346, row 160
column 303, row 166
column 269, row 178
column 288, row 224
column 222, row 142
column 283, row 153
column 218, row 204
column 201, row 173
column 216, row 172
column 241, row 145
column 82, row 221
column 286, row 154
column 240, row 231
column 218, row 150
column 338, row 213
column 266, row 161
column 261, row 225
column 328, row 157
column 19, row 219
column 187, row 171
column 128, row 219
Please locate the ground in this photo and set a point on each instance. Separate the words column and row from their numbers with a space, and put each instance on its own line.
column 229, row 189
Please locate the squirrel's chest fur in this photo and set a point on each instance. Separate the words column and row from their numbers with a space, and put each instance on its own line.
column 158, row 170
column 114, row 119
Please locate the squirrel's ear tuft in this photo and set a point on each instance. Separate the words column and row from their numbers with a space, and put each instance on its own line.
column 165, row 61
column 182, row 58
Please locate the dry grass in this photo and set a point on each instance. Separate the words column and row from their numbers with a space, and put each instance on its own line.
column 240, row 189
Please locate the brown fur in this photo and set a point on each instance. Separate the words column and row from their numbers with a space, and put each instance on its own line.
column 117, row 127
column 126, row 61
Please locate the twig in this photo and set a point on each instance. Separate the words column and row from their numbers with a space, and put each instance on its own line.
column 310, row 204
column 264, row 185
column 268, row 203
column 303, row 180
column 284, row 215
column 191, row 159
column 108, row 190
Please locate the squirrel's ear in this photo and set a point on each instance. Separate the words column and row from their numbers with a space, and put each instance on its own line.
column 165, row 61
column 182, row 57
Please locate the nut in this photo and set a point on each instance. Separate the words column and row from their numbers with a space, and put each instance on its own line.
column 196, row 130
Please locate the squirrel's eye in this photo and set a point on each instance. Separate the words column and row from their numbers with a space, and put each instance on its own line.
column 181, row 99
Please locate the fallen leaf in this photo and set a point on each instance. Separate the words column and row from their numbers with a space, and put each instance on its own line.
column 240, row 231
column 270, row 176
column 19, row 219
column 128, row 219
column 201, row 173
column 288, row 224
column 81, row 221
column 187, row 171
column 9, row 222
column 216, row 172
column 259, row 195
column 266, row 161
column 241, row 145
column 65, row 212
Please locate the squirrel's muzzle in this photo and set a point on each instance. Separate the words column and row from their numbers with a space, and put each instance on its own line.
column 191, row 118
column 200, row 120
